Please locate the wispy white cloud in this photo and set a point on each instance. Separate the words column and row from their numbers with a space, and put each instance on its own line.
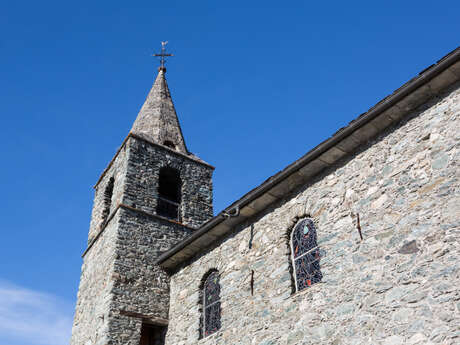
column 34, row 317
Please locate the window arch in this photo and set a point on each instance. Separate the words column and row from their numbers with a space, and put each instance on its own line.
column 305, row 254
column 169, row 193
column 210, row 304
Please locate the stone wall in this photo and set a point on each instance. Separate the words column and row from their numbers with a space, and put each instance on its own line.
column 139, row 285
column 117, row 170
column 95, row 291
column 90, row 326
column 398, row 285
column 120, row 285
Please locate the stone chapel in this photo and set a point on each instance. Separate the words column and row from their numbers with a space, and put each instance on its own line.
column 356, row 242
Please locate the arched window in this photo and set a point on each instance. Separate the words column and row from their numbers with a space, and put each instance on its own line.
column 169, row 193
column 210, row 303
column 107, row 199
column 305, row 254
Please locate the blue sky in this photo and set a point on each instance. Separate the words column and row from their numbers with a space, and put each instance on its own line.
column 256, row 85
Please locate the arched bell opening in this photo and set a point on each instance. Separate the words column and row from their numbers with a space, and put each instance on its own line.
column 169, row 193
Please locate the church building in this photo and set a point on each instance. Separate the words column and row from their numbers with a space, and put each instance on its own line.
column 356, row 242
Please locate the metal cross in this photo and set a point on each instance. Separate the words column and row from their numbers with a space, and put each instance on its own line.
column 163, row 54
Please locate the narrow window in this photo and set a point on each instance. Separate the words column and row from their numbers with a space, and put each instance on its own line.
column 107, row 199
column 210, row 300
column 305, row 254
column 169, row 193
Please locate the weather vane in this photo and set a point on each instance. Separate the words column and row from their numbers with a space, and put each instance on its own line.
column 163, row 55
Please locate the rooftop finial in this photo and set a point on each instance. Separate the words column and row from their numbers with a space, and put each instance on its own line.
column 162, row 56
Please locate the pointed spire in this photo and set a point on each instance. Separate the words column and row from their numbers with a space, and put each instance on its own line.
column 157, row 120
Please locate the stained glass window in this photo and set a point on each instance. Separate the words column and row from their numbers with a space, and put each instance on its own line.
column 211, row 304
column 305, row 254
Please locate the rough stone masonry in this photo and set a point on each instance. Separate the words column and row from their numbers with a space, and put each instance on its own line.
column 399, row 285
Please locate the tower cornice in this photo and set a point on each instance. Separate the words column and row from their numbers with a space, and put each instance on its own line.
column 130, row 208
column 189, row 156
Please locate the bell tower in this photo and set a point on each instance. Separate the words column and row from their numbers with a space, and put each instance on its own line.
column 152, row 194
